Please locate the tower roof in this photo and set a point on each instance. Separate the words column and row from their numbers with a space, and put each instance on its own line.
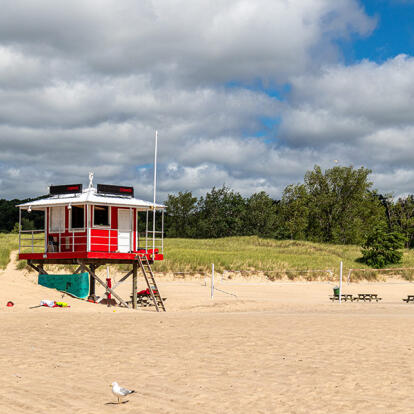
column 90, row 196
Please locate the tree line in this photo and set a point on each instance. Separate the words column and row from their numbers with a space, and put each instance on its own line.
column 338, row 205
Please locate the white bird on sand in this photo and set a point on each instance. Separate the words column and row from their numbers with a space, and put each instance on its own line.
column 120, row 392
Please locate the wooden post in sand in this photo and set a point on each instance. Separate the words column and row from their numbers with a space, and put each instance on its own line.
column 134, row 285
column 340, row 282
column 212, row 281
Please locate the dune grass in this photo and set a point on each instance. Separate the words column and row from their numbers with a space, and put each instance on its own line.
column 8, row 242
column 254, row 254
column 275, row 258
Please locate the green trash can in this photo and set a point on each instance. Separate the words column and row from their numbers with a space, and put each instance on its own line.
column 336, row 291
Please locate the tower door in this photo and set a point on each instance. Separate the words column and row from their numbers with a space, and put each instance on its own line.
column 124, row 231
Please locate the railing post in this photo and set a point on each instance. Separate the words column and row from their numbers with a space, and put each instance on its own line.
column 45, row 229
column 146, row 233
column 73, row 241
column 162, row 232
column 32, row 241
column 88, row 235
column 20, row 227
column 131, row 229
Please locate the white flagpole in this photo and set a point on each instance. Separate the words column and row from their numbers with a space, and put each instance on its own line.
column 155, row 191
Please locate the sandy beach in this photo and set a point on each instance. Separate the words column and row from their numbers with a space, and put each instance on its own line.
column 279, row 347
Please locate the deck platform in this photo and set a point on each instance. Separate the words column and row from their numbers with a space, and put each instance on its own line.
column 73, row 257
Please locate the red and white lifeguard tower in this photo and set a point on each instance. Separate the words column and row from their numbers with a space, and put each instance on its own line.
column 93, row 227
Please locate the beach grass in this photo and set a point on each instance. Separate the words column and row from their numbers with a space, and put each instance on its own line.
column 8, row 242
column 254, row 253
column 274, row 258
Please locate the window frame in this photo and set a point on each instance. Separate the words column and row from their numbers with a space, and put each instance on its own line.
column 54, row 230
column 101, row 226
column 77, row 229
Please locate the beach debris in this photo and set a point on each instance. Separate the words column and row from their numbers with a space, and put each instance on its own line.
column 51, row 304
column 120, row 392
column 10, row 304
column 62, row 304
column 46, row 302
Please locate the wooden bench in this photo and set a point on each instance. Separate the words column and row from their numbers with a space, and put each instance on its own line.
column 367, row 297
column 409, row 298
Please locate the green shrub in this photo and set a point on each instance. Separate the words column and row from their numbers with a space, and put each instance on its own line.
column 383, row 248
column 21, row 264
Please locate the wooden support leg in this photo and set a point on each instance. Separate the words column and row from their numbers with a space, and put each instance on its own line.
column 122, row 280
column 92, row 294
column 134, row 285
column 39, row 268
column 92, row 273
column 79, row 269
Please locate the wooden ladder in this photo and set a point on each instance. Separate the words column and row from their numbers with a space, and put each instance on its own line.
column 152, row 285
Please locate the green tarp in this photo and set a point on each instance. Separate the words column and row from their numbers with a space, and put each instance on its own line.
column 75, row 284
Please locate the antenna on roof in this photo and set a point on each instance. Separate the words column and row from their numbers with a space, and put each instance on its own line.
column 155, row 192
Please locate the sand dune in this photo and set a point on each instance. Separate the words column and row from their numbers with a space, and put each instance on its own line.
column 276, row 348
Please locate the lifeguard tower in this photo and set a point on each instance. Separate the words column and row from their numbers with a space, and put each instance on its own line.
column 94, row 227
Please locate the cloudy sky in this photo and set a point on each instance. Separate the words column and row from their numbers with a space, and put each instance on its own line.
column 250, row 94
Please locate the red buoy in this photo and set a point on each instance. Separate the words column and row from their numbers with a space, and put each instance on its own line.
column 10, row 304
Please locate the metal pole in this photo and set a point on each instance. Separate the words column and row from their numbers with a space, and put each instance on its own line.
column 162, row 232
column 45, row 230
column 88, row 242
column 20, row 227
column 340, row 282
column 136, row 230
column 155, row 191
column 146, row 233
column 131, row 229
column 212, row 280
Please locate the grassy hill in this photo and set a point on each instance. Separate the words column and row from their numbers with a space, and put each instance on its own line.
column 276, row 258
column 248, row 254
column 8, row 242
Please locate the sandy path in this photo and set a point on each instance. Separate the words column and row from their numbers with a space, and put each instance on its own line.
column 278, row 348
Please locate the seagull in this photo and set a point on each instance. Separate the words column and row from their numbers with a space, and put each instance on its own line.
column 120, row 392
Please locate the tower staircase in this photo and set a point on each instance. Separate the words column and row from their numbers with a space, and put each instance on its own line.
column 151, row 283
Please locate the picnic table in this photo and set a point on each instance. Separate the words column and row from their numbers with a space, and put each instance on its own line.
column 344, row 297
column 367, row 297
column 409, row 298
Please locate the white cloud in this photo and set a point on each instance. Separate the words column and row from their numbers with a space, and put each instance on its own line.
column 196, row 42
column 361, row 113
column 84, row 85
